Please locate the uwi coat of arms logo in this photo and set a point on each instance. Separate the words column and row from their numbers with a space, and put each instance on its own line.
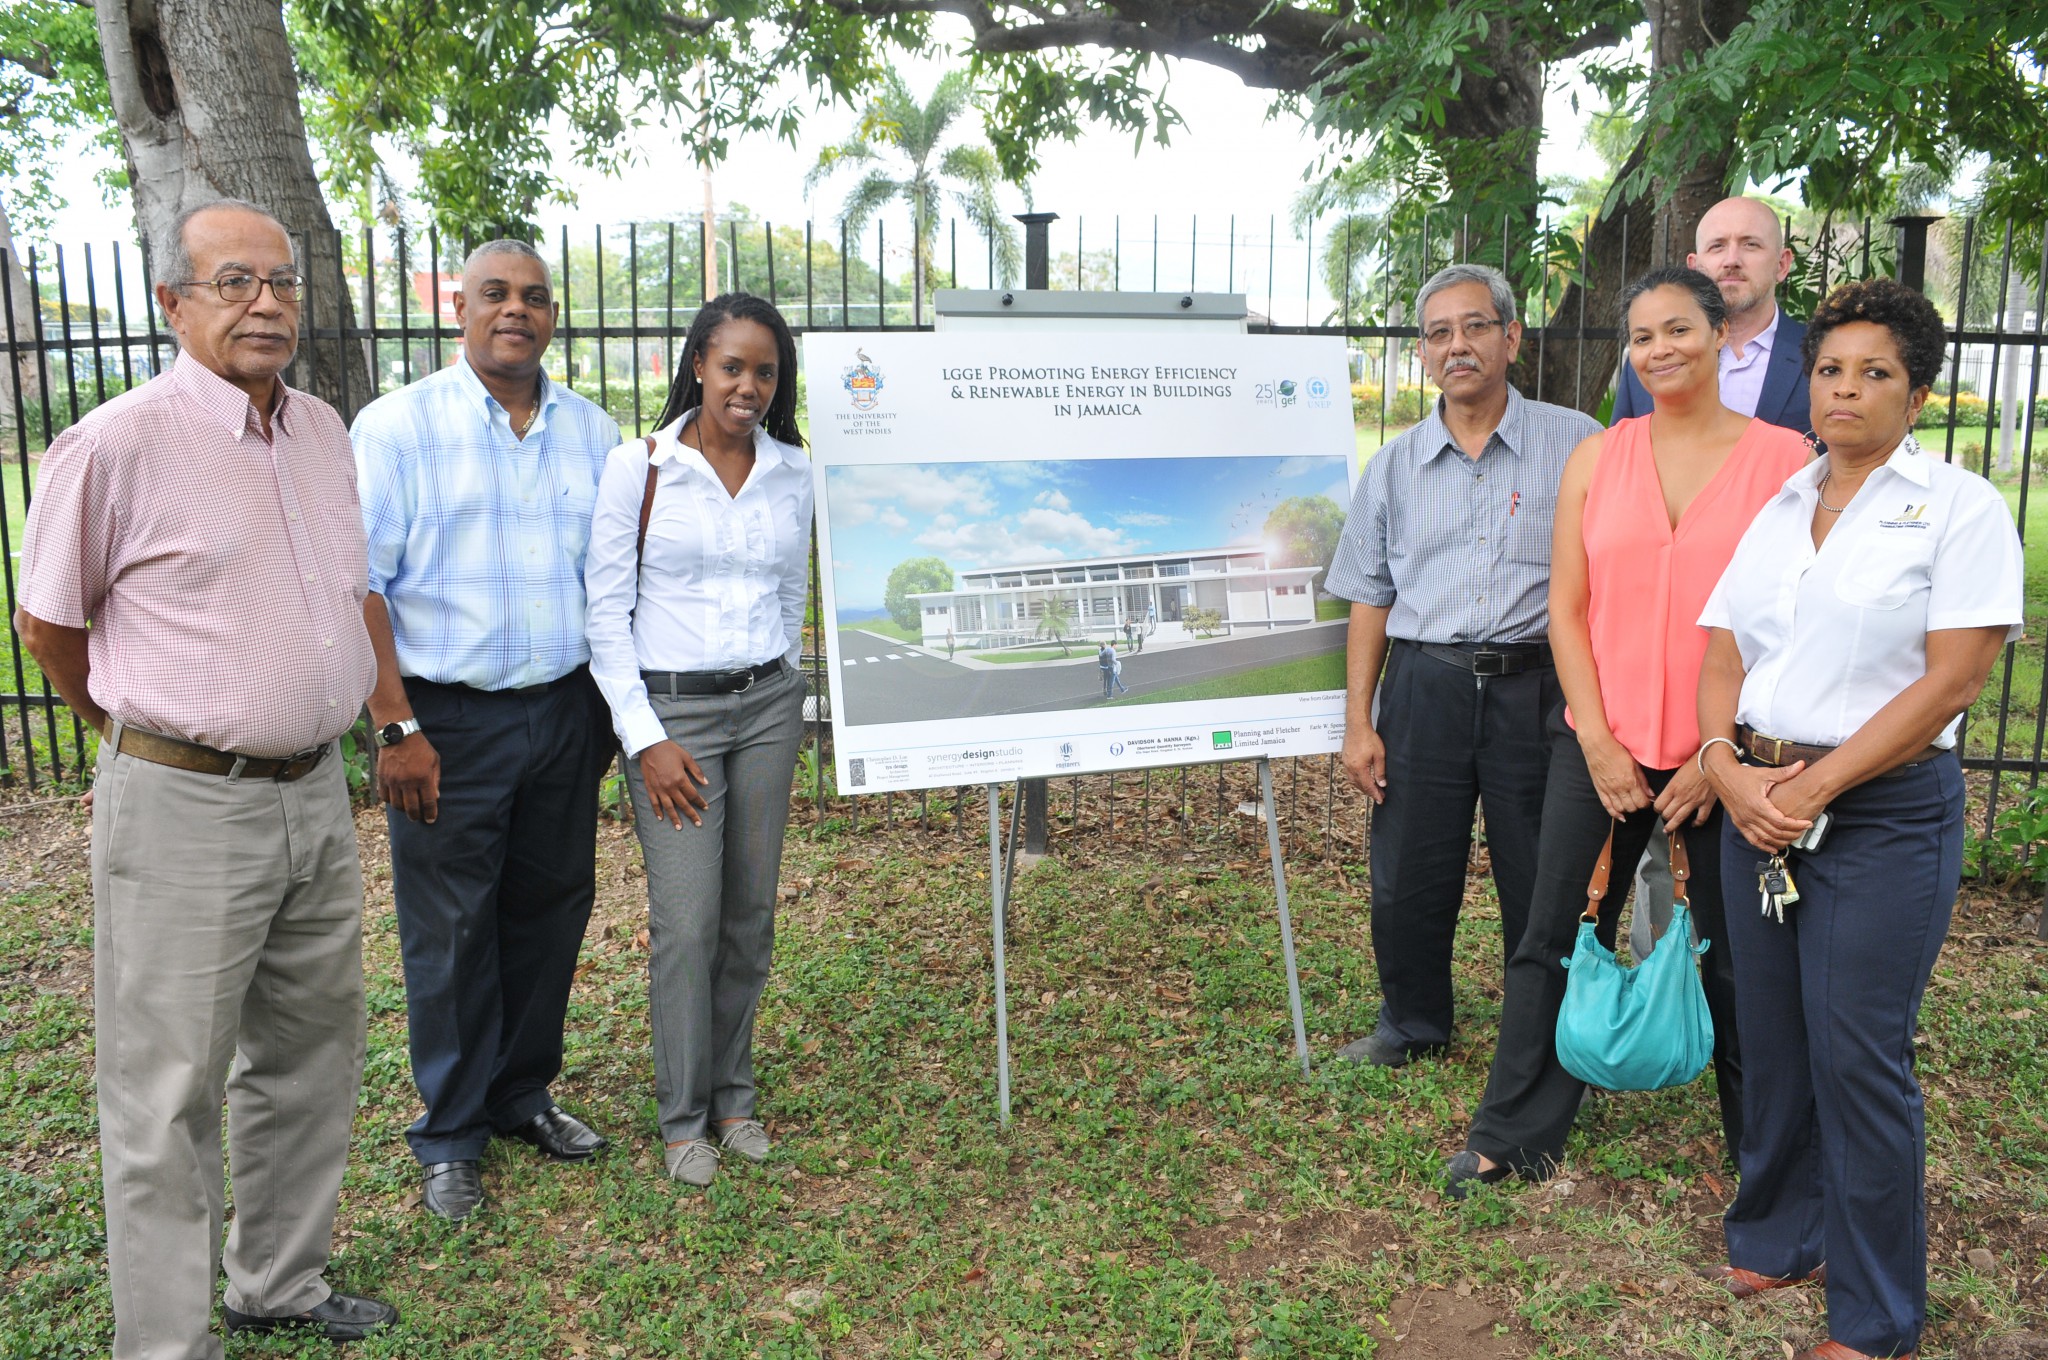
column 863, row 382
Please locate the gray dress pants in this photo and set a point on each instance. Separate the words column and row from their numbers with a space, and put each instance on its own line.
column 227, row 955
column 711, row 897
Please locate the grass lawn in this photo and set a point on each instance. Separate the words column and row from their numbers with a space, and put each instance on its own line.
column 1286, row 677
column 1008, row 658
column 1171, row 1186
column 888, row 627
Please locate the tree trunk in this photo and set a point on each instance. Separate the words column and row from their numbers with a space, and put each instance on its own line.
column 1576, row 370
column 207, row 100
column 23, row 376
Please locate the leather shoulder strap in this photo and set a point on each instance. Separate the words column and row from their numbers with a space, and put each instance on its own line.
column 1681, row 869
column 646, row 503
column 1596, row 889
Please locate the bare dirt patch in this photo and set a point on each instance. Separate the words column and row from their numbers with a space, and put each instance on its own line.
column 1252, row 1246
column 1441, row 1324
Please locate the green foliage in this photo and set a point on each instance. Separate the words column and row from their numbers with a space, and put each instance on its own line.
column 1410, row 404
column 53, row 87
column 358, row 764
column 912, row 576
column 1303, row 531
column 2016, row 851
column 1839, row 95
column 918, row 133
column 1206, row 622
column 477, row 92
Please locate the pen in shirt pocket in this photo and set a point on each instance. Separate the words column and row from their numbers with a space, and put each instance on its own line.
column 1514, row 500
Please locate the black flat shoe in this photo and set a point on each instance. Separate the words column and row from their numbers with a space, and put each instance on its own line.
column 342, row 1317
column 1382, row 1050
column 560, row 1135
column 452, row 1190
column 1461, row 1171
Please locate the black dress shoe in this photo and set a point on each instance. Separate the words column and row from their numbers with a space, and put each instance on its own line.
column 343, row 1317
column 560, row 1135
column 452, row 1190
column 1383, row 1050
column 1463, row 1171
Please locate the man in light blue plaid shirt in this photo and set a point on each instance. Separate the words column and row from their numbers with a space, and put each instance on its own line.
column 477, row 484
column 1446, row 558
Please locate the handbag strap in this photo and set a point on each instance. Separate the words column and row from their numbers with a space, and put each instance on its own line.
column 1596, row 889
column 646, row 503
column 1603, row 869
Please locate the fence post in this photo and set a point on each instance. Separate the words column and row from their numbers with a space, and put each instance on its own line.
column 1037, row 275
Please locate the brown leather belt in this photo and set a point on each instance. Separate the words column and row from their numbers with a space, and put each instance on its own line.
column 1776, row 751
column 187, row 755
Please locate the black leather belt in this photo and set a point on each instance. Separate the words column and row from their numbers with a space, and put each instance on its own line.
column 524, row 690
column 710, row 682
column 1489, row 658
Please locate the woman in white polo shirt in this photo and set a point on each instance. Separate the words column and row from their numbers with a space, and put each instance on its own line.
column 1858, row 619
column 698, row 567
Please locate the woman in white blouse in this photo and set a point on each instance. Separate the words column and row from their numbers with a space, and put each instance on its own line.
column 1857, row 620
column 699, row 559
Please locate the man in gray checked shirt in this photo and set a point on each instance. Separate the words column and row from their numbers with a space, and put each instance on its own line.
column 1446, row 559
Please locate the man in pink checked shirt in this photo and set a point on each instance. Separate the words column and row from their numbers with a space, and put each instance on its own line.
column 193, row 577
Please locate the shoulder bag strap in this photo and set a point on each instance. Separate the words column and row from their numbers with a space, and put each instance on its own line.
column 646, row 504
column 1681, row 869
column 1596, row 889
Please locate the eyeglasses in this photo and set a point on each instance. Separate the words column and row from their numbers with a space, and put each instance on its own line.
column 1474, row 330
column 246, row 287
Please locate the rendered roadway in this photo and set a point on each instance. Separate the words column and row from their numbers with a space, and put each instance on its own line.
column 885, row 681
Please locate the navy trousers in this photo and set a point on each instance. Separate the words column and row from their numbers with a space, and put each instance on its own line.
column 1834, row 1148
column 493, row 898
column 1453, row 741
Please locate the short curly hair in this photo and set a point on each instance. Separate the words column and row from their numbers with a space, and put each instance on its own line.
column 1905, row 312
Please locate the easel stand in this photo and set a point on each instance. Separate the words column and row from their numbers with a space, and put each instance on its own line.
column 1002, row 861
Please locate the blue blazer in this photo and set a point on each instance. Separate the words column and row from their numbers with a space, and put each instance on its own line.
column 1783, row 400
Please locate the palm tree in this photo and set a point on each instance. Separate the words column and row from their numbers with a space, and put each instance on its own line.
column 895, row 118
column 1057, row 622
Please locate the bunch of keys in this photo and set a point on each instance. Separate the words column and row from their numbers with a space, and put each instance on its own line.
column 1774, row 883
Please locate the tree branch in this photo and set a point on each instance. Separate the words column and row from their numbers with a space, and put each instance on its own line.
column 42, row 66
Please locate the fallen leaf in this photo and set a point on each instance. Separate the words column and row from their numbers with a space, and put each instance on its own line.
column 975, row 1274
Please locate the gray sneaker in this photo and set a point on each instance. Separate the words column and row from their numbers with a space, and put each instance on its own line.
column 692, row 1163
column 747, row 1138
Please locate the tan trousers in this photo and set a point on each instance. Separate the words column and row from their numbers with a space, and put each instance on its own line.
column 228, row 930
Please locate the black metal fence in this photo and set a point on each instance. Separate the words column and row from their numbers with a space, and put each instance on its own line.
column 85, row 331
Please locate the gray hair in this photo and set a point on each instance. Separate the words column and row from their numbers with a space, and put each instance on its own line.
column 508, row 245
column 1453, row 275
column 175, row 268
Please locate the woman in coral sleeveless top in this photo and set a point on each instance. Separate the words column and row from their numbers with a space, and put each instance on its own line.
column 1648, row 515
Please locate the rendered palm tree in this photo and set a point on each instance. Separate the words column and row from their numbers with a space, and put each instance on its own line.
column 1057, row 622
column 894, row 118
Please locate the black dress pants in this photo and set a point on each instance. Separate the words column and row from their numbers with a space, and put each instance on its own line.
column 1530, row 1099
column 1453, row 740
column 493, row 897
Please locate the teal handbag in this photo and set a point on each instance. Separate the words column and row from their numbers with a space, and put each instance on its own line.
column 1641, row 1028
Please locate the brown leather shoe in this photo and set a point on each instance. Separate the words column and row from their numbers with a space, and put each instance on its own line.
column 1744, row 1284
column 1835, row 1350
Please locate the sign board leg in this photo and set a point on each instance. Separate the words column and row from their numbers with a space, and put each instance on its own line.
column 997, row 891
column 1286, row 921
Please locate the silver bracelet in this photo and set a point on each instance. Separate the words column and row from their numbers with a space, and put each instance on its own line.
column 1701, row 759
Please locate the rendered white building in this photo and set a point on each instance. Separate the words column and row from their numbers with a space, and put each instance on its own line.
column 1004, row 606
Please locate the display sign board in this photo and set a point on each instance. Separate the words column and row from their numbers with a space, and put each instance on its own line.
column 1051, row 553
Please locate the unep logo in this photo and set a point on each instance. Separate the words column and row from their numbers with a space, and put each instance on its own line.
column 863, row 382
column 1318, row 388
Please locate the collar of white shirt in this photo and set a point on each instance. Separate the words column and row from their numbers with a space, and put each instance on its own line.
column 1909, row 460
column 769, row 452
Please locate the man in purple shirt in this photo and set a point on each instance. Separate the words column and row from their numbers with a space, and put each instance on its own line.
column 1740, row 246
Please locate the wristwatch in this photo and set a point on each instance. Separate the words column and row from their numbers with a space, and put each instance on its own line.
column 390, row 734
